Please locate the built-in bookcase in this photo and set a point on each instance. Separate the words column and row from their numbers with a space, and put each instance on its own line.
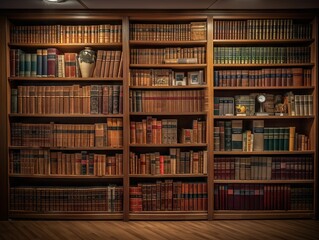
column 188, row 116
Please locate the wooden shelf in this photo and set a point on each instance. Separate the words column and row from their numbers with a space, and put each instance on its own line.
column 303, row 181
column 169, row 215
column 40, row 176
column 170, row 87
column 67, row 47
column 16, row 115
column 66, row 215
column 167, row 175
column 268, row 65
column 64, row 79
column 70, row 149
column 170, row 145
column 262, row 214
column 228, row 42
column 175, row 66
column 168, row 113
column 167, row 43
column 264, row 117
column 264, row 153
column 264, row 88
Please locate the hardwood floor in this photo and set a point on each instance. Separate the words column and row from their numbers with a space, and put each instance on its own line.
column 192, row 230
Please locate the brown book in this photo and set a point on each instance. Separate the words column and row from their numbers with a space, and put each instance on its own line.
column 98, row 65
column 107, row 63
column 112, row 62
column 117, row 59
column 120, row 68
column 258, row 131
column 70, row 64
column 297, row 77
column 99, row 134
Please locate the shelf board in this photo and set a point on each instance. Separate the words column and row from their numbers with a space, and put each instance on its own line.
column 70, row 149
column 266, row 181
column 168, row 113
column 171, row 145
column 66, row 115
column 166, row 175
column 41, row 176
column 67, row 215
column 77, row 47
column 264, row 88
column 268, row 65
column 263, row 117
column 264, row 153
column 167, row 43
column 170, row 87
column 227, row 42
column 262, row 214
column 64, row 79
column 169, row 215
column 175, row 66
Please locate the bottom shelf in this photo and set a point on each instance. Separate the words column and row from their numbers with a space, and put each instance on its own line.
column 270, row 214
column 169, row 215
column 66, row 215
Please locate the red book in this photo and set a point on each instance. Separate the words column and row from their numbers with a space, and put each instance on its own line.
column 161, row 164
column 52, row 62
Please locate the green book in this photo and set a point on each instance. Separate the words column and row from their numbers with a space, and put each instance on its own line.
column 237, row 135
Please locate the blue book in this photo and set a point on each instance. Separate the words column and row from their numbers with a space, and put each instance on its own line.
column 39, row 62
column 44, row 63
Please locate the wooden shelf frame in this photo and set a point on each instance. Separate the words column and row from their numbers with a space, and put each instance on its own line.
column 125, row 18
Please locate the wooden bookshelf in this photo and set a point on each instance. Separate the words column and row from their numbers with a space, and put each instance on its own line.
column 232, row 187
column 147, row 40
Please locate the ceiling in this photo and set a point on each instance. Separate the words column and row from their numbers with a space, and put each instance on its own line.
column 161, row 4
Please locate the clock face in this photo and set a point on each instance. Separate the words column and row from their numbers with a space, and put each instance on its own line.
column 261, row 98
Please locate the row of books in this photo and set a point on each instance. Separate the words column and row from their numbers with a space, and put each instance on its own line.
column 159, row 55
column 245, row 105
column 177, row 162
column 74, row 99
column 109, row 134
column 167, row 101
column 102, row 33
column 165, row 77
column 263, row 197
column 168, row 195
column 41, row 199
column 263, row 168
column 265, row 77
column 192, row 31
column 229, row 135
column 42, row 162
column 53, row 63
column 261, row 29
column 165, row 131
column 261, row 55
column 108, row 64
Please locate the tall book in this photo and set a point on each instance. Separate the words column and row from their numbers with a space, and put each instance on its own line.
column 70, row 64
column 237, row 135
column 52, row 62
column 258, row 131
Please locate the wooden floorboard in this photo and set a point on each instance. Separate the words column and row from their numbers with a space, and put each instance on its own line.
column 153, row 230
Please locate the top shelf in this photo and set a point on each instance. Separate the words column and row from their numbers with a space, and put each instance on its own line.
column 67, row 46
column 168, row 43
